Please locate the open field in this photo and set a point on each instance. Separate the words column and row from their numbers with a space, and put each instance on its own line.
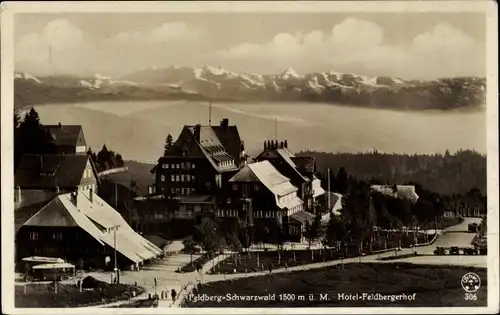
column 434, row 286
column 259, row 261
column 68, row 295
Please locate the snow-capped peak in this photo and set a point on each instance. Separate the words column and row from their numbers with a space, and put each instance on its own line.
column 215, row 70
column 290, row 73
column 26, row 76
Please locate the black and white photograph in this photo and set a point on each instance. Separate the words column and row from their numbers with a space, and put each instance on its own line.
column 269, row 157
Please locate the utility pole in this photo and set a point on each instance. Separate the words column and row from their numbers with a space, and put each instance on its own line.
column 210, row 114
column 116, row 262
column 116, row 196
column 328, row 189
column 275, row 128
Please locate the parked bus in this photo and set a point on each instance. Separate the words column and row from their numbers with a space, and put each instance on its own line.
column 28, row 262
column 51, row 272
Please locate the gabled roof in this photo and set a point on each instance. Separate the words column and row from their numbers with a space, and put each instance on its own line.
column 96, row 217
column 61, row 212
column 230, row 139
column 268, row 175
column 65, row 135
column 287, row 155
column 302, row 217
column 245, row 175
column 213, row 149
column 37, row 171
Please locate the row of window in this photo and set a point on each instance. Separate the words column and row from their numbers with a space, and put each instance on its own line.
column 182, row 191
column 55, row 236
column 264, row 214
column 225, row 163
column 182, row 165
column 179, row 178
column 226, row 213
column 87, row 173
column 256, row 186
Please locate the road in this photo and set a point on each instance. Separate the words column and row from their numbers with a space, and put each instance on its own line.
column 168, row 279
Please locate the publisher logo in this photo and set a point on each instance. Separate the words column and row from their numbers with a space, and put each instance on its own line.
column 471, row 282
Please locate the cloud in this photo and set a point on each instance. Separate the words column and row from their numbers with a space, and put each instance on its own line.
column 58, row 35
column 58, row 39
column 359, row 46
column 73, row 52
column 165, row 33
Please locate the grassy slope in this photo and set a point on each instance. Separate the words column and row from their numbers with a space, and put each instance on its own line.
column 435, row 286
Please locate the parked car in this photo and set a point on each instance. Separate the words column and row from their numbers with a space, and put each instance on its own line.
column 439, row 251
column 473, row 227
column 54, row 272
column 454, row 250
column 27, row 263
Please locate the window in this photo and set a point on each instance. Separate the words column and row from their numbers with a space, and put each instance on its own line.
column 177, row 191
column 188, row 164
column 256, row 186
column 177, row 178
column 177, row 166
column 182, row 165
column 193, row 165
column 163, row 189
column 57, row 236
column 228, row 200
column 162, row 178
column 234, row 186
column 192, row 178
column 172, row 178
column 192, row 191
column 33, row 236
column 172, row 191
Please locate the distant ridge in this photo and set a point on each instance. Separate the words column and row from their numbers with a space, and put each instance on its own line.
column 216, row 83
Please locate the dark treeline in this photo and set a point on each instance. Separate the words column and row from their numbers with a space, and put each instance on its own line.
column 364, row 209
column 445, row 174
column 30, row 137
column 105, row 159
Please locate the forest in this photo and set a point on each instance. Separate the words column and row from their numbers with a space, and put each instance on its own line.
column 441, row 173
column 31, row 138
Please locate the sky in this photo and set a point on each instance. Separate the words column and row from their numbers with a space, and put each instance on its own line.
column 408, row 45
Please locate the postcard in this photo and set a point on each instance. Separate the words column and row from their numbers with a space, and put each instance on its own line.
column 249, row 157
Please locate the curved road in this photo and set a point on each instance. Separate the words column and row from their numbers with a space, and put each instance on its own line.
column 168, row 279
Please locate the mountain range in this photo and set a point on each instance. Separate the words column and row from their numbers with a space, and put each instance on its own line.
column 218, row 84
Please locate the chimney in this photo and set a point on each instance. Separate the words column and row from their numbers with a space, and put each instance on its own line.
column 224, row 123
column 275, row 144
column 286, row 144
column 60, row 125
column 57, row 190
column 281, row 144
column 74, row 198
column 197, row 130
column 91, row 195
column 265, row 145
column 17, row 196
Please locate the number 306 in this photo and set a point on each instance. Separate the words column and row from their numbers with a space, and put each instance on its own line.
column 470, row 297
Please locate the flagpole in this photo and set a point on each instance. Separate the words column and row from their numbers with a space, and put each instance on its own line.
column 210, row 114
column 328, row 189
